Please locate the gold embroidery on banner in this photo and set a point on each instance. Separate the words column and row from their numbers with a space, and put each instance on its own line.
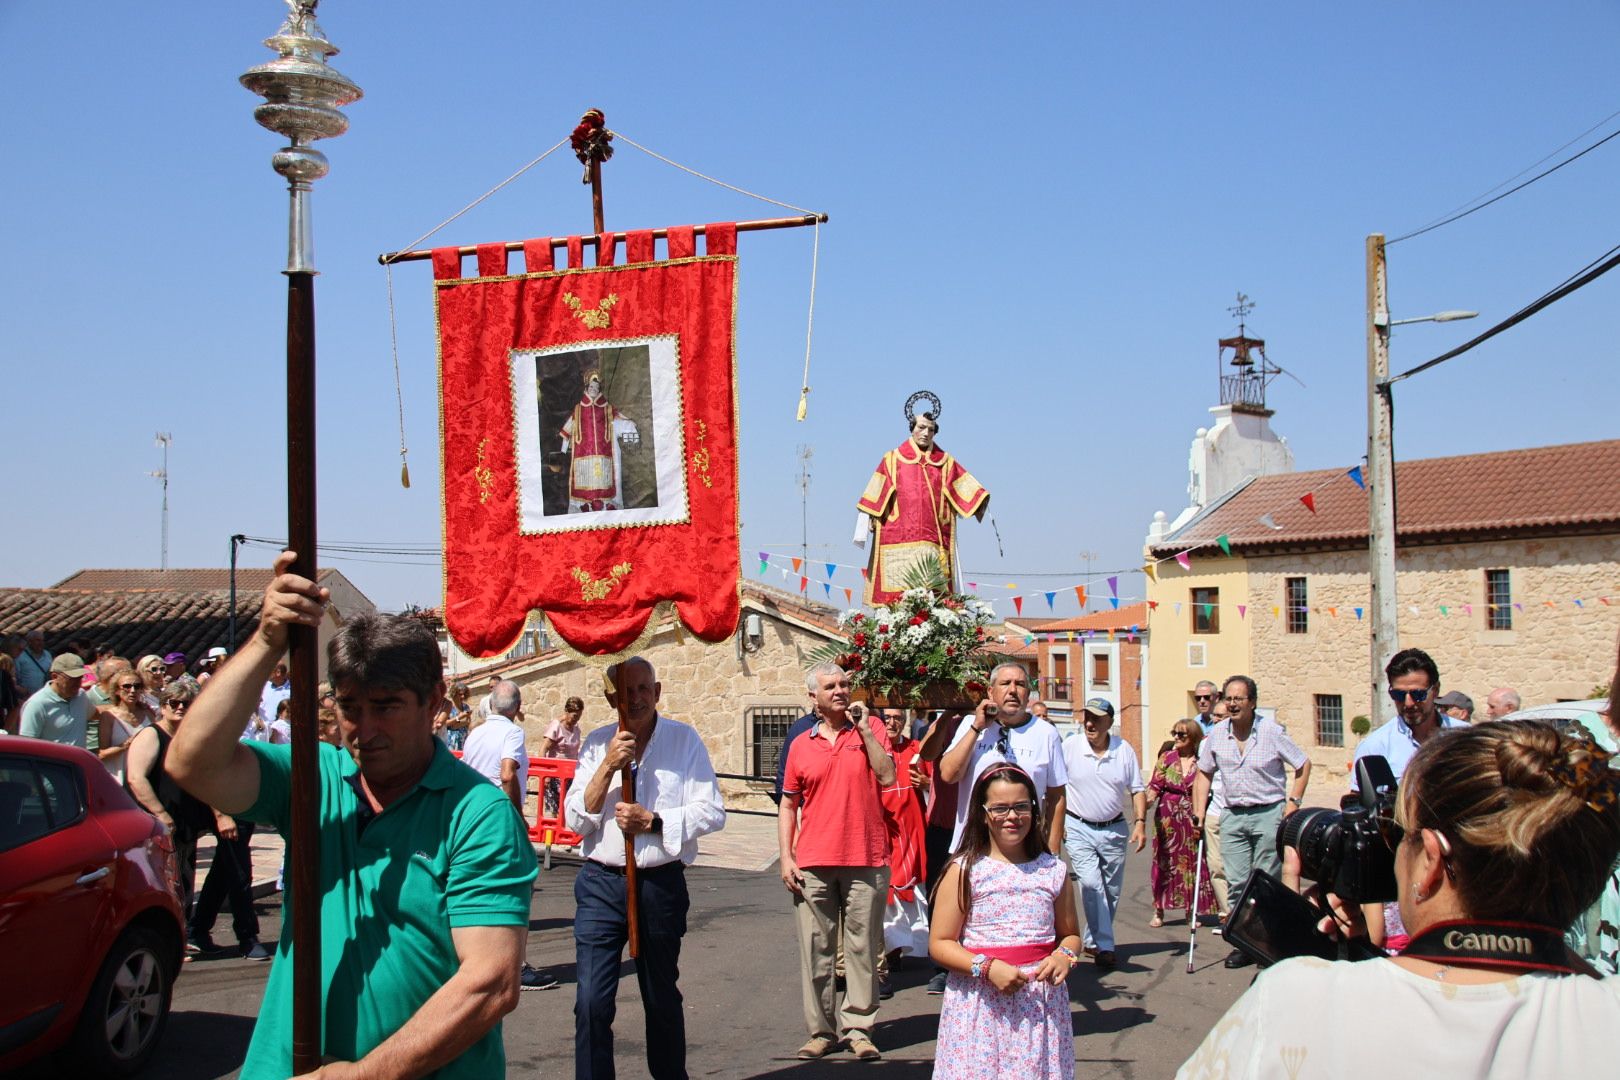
column 599, row 318
column 700, row 456
column 591, row 589
column 483, row 474
column 1293, row 1059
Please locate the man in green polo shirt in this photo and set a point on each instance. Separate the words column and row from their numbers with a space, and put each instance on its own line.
column 426, row 870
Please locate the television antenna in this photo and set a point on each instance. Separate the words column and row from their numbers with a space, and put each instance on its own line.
column 163, row 440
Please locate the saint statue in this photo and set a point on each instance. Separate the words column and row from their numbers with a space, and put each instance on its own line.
column 593, row 432
column 911, row 505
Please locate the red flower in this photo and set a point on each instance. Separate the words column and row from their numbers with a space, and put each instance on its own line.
column 950, row 650
column 918, row 620
column 922, row 669
column 857, row 618
column 974, row 686
column 883, row 628
column 978, row 631
column 884, row 646
column 860, row 640
column 853, row 665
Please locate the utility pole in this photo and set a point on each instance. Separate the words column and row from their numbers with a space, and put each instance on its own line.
column 806, row 452
column 164, row 439
column 1380, row 473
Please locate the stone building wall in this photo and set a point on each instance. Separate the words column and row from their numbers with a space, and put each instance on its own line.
column 1552, row 653
column 704, row 685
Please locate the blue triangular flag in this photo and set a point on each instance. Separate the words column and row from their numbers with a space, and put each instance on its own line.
column 1049, row 597
column 1114, row 601
column 830, row 568
column 828, row 589
column 1355, row 474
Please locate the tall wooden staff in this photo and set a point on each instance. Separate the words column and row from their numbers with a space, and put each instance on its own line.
column 627, row 788
column 302, row 97
column 593, row 144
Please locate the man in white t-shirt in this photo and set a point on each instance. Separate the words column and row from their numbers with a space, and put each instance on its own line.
column 496, row 748
column 1002, row 730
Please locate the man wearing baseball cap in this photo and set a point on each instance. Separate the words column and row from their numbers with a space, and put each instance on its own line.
column 1457, row 705
column 1103, row 774
column 210, row 663
column 59, row 713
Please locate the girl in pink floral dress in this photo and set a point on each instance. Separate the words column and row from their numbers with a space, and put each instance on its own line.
column 1005, row 929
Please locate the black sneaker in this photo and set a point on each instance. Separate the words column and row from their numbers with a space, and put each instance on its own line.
column 936, row 985
column 200, row 943
column 253, row 950
column 535, row 979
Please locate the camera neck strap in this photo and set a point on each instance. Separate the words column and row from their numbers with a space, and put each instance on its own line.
column 1514, row 945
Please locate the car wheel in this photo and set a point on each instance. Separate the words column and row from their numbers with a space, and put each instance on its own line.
column 128, row 1006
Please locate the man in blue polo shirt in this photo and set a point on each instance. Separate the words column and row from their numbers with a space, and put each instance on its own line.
column 426, row 872
column 1414, row 686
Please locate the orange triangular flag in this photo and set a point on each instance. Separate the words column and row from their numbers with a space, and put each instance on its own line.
column 1080, row 594
column 849, row 597
column 796, row 564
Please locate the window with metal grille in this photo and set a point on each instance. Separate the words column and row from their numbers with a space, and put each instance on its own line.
column 1206, row 611
column 1329, row 720
column 1498, row 600
column 1060, row 677
column 767, row 730
column 1295, row 603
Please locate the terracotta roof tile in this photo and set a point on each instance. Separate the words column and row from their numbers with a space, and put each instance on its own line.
column 253, row 579
column 1127, row 616
column 1544, row 490
column 133, row 623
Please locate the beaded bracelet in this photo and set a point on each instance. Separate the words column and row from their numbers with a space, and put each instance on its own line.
column 1066, row 951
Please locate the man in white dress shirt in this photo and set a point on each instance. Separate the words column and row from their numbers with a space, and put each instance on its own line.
column 676, row 801
column 496, row 748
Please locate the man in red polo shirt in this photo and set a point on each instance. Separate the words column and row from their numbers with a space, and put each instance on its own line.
column 835, row 861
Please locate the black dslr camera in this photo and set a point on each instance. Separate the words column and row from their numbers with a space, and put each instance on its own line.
column 1342, row 849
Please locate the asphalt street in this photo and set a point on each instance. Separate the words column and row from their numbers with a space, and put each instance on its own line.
column 740, row 978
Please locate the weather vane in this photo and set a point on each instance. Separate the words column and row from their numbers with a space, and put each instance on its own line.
column 1240, row 311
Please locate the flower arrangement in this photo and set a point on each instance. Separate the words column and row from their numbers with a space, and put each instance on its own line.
column 930, row 636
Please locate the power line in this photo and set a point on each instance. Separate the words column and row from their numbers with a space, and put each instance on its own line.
column 1588, row 274
column 1518, row 187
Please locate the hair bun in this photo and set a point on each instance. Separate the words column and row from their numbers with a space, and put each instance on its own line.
column 1529, row 757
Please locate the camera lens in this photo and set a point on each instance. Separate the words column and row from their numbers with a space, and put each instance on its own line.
column 1315, row 834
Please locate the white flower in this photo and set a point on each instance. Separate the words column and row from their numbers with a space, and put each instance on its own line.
column 917, row 594
column 914, row 635
column 945, row 616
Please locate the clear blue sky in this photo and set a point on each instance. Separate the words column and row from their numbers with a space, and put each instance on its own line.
column 1040, row 212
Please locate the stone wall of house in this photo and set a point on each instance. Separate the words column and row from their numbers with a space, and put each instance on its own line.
column 704, row 685
column 1556, row 650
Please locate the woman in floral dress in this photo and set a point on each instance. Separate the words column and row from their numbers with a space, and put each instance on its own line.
column 1006, row 930
column 1175, row 837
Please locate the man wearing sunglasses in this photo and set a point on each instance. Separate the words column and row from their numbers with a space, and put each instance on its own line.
column 1414, row 687
column 1205, row 695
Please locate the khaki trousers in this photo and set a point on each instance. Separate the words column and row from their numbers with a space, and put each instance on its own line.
column 1217, row 866
column 856, row 896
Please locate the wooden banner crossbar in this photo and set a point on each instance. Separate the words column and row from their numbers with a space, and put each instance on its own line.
column 591, row 240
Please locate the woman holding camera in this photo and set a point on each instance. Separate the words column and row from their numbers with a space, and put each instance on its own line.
column 1502, row 835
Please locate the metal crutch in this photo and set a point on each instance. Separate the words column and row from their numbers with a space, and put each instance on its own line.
column 1192, row 915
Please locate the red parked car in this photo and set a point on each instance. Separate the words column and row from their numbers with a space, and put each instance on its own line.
column 91, row 936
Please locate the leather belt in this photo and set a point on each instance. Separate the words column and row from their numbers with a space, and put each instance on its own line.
column 1115, row 820
column 643, row 871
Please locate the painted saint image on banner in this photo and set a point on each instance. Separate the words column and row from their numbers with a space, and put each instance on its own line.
column 598, row 458
column 598, row 435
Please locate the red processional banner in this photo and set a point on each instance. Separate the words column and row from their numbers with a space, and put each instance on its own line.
column 588, row 418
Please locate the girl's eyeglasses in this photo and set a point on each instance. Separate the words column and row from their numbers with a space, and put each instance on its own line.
column 1002, row 811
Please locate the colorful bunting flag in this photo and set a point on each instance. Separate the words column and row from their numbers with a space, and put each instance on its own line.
column 1444, row 610
column 1226, row 543
column 1269, row 522
column 1080, row 594
column 1018, row 606
column 1309, row 499
column 1113, row 602
column 1153, row 605
column 1178, row 607
column 1243, row 609
column 1358, row 614
column 974, row 585
column 764, row 556
column 1185, row 560
column 804, row 582
column 1579, row 604
column 1469, row 608
column 1355, row 474
column 763, row 566
column 830, row 568
column 1275, row 611
column 1333, row 611
column 827, row 587
column 1113, row 587
column 849, row 596
column 1151, row 572
column 797, row 562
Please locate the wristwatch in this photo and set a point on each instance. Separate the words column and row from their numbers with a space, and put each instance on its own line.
column 1293, row 800
column 980, row 961
column 656, row 824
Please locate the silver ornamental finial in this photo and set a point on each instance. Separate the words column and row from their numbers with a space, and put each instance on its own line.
column 302, row 96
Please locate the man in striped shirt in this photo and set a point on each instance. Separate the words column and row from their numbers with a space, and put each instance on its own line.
column 1250, row 754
